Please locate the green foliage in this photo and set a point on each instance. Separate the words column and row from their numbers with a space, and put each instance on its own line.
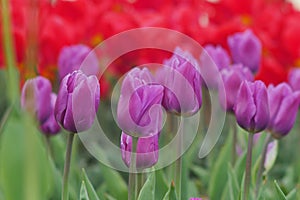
column 148, row 190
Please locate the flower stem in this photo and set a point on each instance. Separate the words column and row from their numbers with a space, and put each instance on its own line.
column 9, row 52
column 262, row 162
column 132, row 186
column 248, row 166
column 234, row 139
column 178, row 164
column 65, row 192
column 140, row 181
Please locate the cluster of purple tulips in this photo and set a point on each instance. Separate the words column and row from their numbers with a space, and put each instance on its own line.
column 175, row 88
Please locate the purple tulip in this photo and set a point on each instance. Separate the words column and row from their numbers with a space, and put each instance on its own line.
column 218, row 55
column 146, row 151
column 50, row 126
column 182, row 82
column 283, row 105
column 77, row 101
column 251, row 108
column 139, row 110
column 195, row 198
column 36, row 97
column 72, row 57
column 232, row 78
column 294, row 79
column 246, row 48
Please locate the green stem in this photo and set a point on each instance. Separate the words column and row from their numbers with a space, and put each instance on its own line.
column 132, row 186
column 65, row 192
column 140, row 181
column 248, row 166
column 178, row 165
column 234, row 139
column 262, row 162
column 5, row 118
column 9, row 52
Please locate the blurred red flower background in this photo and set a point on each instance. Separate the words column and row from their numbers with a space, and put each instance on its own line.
column 55, row 24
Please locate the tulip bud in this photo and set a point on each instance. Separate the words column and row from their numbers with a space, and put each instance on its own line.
column 72, row 57
column 232, row 78
column 218, row 55
column 251, row 108
column 182, row 84
column 36, row 97
column 146, row 151
column 195, row 198
column 246, row 49
column 294, row 79
column 77, row 101
column 139, row 110
column 283, row 105
column 50, row 126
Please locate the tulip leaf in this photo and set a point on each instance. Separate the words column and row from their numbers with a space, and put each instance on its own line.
column 83, row 192
column 89, row 187
column 161, row 185
column 280, row 194
column 25, row 171
column 233, row 185
column 171, row 193
column 292, row 195
column 148, row 190
column 218, row 176
column 115, row 183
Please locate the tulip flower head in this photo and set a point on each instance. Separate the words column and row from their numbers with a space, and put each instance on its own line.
column 283, row 105
column 72, row 57
column 294, row 79
column 50, row 126
column 251, row 108
column 77, row 101
column 181, row 79
column 146, row 150
column 218, row 55
column 246, row 49
column 36, row 97
column 232, row 78
column 139, row 110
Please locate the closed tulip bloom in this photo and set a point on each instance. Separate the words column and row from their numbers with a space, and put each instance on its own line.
column 294, row 79
column 181, row 79
column 232, row 78
column 218, row 55
column 72, row 57
column 50, row 126
column 139, row 110
column 283, row 105
column 77, row 101
column 246, row 49
column 195, row 198
column 36, row 97
column 147, row 151
column 251, row 108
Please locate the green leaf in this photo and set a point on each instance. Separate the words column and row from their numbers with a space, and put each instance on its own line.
column 280, row 194
column 233, row 185
column 89, row 187
column 25, row 170
column 161, row 185
column 292, row 195
column 219, row 177
column 108, row 197
column 171, row 193
column 148, row 190
column 83, row 192
column 114, row 182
